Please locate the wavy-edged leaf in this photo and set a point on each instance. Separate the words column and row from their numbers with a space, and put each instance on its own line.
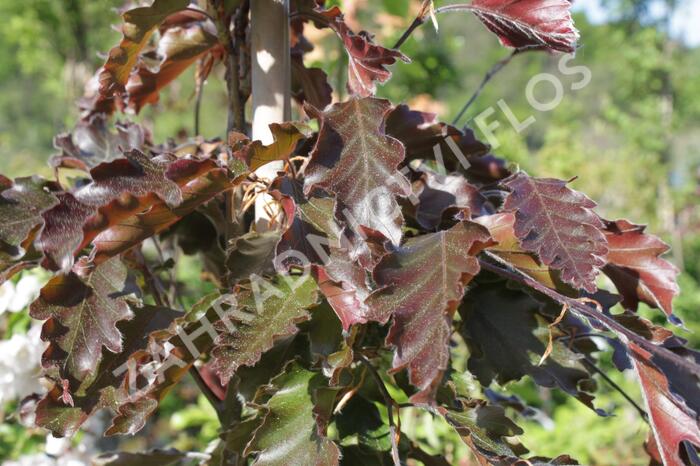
column 673, row 421
column 119, row 189
column 500, row 226
column 264, row 321
column 137, row 228
column 355, row 160
column 92, row 142
column 103, row 389
column 286, row 137
column 559, row 225
column 290, row 432
column 63, row 231
column 310, row 84
column 178, row 48
column 527, row 23
column 21, row 205
column 139, row 25
column 344, row 284
column 422, row 284
column 81, row 310
column 440, row 194
column 424, row 137
column 507, row 337
column 483, row 428
column 636, row 268
column 367, row 61
column 170, row 356
column 136, row 174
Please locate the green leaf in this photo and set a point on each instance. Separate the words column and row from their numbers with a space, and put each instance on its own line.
column 290, row 433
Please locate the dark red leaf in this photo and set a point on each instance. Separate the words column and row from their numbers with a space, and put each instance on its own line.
column 636, row 268
column 424, row 137
column 507, row 336
column 21, row 205
column 527, row 23
column 82, row 308
column 92, row 142
column 672, row 420
column 179, row 47
column 310, row 84
column 63, row 231
column 131, row 231
column 355, row 160
column 103, row 389
column 139, row 25
column 437, row 193
column 559, row 225
column 422, row 284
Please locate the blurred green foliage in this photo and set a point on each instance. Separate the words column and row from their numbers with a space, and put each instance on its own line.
column 631, row 136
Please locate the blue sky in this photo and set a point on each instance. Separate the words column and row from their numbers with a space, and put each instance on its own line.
column 686, row 21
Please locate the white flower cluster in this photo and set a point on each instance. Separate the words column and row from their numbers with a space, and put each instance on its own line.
column 20, row 356
column 20, row 360
column 17, row 297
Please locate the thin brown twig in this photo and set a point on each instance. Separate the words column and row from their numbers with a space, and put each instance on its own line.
column 216, row 403
column 591, row 365
column 390, row 404
column 487, row 77
column 505, row 270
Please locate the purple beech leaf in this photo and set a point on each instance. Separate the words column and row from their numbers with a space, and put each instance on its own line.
column 137, row 175
column 21, row 205
column 559, row 225
column 102, row 390
column 82, row 310
column 672, row 420
column 271, row 318
column 367, row 61
column 139, row 25
column 636, row 268
column 179, row 47
column 170, row 356
column 310, row 84
column 344, row 284
column 134, row 229
column 92, row 142
column 355, row 160
column 422, row 284
column 425, row 138
column 63, row 231
column 507, row 336
column 526, row 23
column 437, row 194
column 291, row 432
column 120, row 189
